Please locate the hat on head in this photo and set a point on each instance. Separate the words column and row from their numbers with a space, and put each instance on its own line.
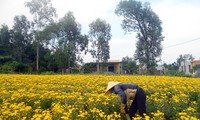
column 110, row 86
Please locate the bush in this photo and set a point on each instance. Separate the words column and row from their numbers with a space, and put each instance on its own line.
column 4, row 59
column 1, row 100
column 42, row 70
column 75, row 70
column 176, row 73
column 108, row 73
column 20, row 67
column 193, row 96
column 12, row 67
column 89, row 68
column 6, row 68
column 198, row 108
column 46, row 103
column 48, row 73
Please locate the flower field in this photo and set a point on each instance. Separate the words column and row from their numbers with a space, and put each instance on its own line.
column 81, row 97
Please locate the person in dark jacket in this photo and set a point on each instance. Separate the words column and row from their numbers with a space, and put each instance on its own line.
column 129, row 92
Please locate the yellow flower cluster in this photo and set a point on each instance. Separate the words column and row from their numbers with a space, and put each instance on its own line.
column 82, row 97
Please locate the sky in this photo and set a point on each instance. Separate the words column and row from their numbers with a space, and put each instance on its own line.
column 180, row 23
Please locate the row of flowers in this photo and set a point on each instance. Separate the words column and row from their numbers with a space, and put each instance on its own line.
column 82, row 97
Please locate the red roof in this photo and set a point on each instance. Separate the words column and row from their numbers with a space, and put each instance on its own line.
column 196, row 61
column 77, row 65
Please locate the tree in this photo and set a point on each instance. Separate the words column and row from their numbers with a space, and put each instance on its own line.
column 173, row 66
column 5, row 41
column 21, row 38
column 5, row 45
column 140, row 18
column 132, row 67
column 129, row 65
column 100, row 35
column 125, row 61
column 44, row 14
column 66, row 41
column 74, row 41
column 184, row 58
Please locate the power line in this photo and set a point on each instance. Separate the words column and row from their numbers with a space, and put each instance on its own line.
column 173, row 45
column 182, row 43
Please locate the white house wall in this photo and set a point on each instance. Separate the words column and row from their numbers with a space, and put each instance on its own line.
column 186, row 67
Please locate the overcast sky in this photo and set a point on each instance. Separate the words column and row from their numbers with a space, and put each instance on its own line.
column 180, row 22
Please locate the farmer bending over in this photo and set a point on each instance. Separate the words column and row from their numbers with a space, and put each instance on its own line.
column 129, row 92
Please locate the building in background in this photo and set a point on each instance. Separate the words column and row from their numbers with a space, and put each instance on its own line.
column 113, row 66
column 160, row 70
column 190, row 68
column 186, row 67
column 196, row 67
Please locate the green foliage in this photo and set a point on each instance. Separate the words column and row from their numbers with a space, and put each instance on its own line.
column 5, row 41
column 1, row 100
column 27, row 101
column 4, row 59
column 42, row 70
column 194, row 96
column 140, row 18
column 100, row 36
column 176, row 73
column 88, row 68
column 7, row 68
column 48, row 73
column 46, row 103
column 75, row 70
column 185, row 57
column 43, row 14
column 132, row 67
column 66, row 41
column 20, row 67
column 198, row 107
column 11, row 67
column 173, row 66
column 29, row 41
column 129, row 65
column 21, row 37
column 71, row 41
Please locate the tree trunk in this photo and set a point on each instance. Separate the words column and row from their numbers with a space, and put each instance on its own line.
column 37, row 56
column 97, row 66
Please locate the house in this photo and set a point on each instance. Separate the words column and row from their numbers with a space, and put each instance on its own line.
column 190, row 67
column 160, row 70
column 114, row 66
column 186, row 67
column 196, row 67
